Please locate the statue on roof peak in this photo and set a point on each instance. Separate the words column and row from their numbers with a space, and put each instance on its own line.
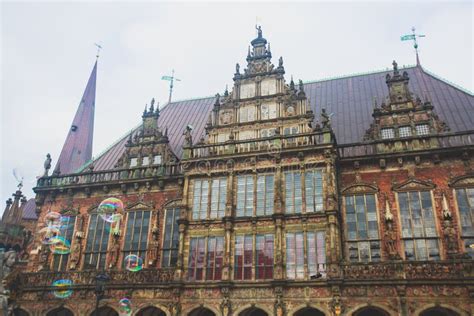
column 395, row 67
column 259, row 31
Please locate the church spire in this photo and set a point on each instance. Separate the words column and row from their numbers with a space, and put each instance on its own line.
column 77, row 148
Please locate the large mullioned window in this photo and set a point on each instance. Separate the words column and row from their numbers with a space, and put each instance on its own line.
column 465, row 199
column 419, row 234
column 363, row 241
column 136, row 235
column 205, row 258
column 66, row 231
column 248, row 191
column 97, row 242
column 247, row 257
column 171, row 238
column 305, row 249
column 202, row 209
column 312, row 191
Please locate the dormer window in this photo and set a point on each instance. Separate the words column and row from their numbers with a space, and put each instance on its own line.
column 387, row 133
column 422, row 129
column 157, row 160
column 133, row 162
column 145, row 161
column 404, row 131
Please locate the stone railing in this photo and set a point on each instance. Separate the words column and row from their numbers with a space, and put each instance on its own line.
column 85, row 279
column 444, row 141
column 432, row 270
column 270, row 145
column 96, row 177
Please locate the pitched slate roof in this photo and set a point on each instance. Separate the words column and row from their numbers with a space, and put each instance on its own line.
column 350, row 98
column 29, row 211
column 77, row 148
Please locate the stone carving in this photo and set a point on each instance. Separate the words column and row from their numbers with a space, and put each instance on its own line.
column 226, row 305
column 47, row 165
column 114, row 253
column 390, row 233
column 325, row 119
column 188, row 138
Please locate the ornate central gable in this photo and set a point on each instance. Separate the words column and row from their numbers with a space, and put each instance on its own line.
column 261, row 104
column 402, row 115
column 149, row 147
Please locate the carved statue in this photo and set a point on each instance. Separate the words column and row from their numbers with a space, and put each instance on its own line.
column 188, row 138
column 43, row 258
column 259, row 31
column 300, row 84
column 75, row 254
column 395, row 67
column 114, row 252
column 47, row 165
column 237, row 68
column 9, row 260
column 449, row 234
column 280, row 62
column 391, row 241
column 325, row 119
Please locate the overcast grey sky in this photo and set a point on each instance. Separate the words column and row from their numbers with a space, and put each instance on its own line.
column 47, row 53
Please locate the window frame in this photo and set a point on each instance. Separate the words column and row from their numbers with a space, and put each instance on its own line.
column 101, row 253
column 465, row 237
column 422, row 129
column 385, row 136
column 142, row 253
column 316, row 196
column 304, row 254
column 174, row 228
column 205, row 259
column 60, row 261
column 251, row 267
column 403, row 239
column 220, row 212
column 405, row 128
column 359, row 240
column 253, row 195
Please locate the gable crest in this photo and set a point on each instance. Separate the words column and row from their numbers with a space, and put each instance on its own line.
column 360, row 188
column 140, row 205
column 413, row 185
column 462, row 181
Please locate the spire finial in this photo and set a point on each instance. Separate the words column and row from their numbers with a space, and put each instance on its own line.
column 99, row 47
column 413, row 38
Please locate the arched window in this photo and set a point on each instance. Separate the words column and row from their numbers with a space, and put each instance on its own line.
column 201, row 311
column 61, row 311
column 105, row 311
column 253, row 311
column 151, row 311
column 20, row 312
column 370, row 311
column 438, row 311
column 309, row 311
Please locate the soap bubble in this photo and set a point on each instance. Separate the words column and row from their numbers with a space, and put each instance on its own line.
column 59, row 245
column 125, row 307
column 133, row 263
column 62, row 289
column 66, row 223
column 109, row 209
column 52, row 217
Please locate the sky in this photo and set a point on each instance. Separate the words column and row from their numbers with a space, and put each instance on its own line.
column 47, row 53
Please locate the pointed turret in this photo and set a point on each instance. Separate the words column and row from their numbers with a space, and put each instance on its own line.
column 77, row 149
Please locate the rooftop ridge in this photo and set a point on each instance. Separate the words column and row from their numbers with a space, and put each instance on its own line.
column 356, row 74
column 103, row 152
column 428, row 72
column 190, row 99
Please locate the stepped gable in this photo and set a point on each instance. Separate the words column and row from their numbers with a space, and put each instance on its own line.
column 350, row 98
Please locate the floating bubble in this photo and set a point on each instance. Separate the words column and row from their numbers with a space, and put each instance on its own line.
column 66, row 223
column 59, row 245
column 133, row 263
column 125, row 307
column 109, row 209
column 52, row 217
column 62, row 288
